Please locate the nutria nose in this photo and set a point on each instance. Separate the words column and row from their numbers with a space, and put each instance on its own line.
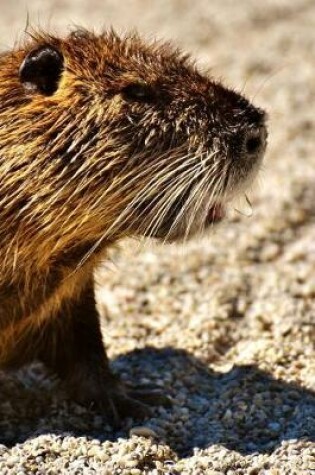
column 255, row 141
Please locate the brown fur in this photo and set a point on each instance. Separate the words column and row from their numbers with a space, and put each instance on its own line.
column 84, row 167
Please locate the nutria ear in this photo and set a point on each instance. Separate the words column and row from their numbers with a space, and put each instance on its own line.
column 41, row 69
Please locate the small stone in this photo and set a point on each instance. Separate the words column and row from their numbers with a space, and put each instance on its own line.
column 142, row 431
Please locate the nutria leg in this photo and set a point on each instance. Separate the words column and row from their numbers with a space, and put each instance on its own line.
column 72, row 346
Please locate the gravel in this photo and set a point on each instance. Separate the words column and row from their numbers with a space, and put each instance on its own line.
column 225, row 324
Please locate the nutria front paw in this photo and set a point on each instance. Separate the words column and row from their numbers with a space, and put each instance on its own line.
column 114, row 398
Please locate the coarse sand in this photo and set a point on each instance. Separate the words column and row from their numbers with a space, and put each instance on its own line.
column 224, row 324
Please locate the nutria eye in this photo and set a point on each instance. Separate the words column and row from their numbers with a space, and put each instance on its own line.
column 138, row 93
column 41, row 69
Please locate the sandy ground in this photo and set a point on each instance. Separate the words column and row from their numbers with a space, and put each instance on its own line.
column 225, row 324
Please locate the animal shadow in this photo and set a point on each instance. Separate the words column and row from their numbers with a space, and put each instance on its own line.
column 244, row 409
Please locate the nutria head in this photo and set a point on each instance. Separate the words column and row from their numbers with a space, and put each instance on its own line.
column 103, row 137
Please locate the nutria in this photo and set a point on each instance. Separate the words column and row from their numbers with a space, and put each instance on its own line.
column 103, row 137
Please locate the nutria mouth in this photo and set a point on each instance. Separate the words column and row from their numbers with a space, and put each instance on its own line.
column 178, row 209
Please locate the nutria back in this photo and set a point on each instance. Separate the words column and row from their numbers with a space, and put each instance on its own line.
column 103, row 137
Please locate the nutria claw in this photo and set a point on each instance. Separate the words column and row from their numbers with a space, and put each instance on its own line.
column 149, row 395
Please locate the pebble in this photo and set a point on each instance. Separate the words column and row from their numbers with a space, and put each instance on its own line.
column 142, row 431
